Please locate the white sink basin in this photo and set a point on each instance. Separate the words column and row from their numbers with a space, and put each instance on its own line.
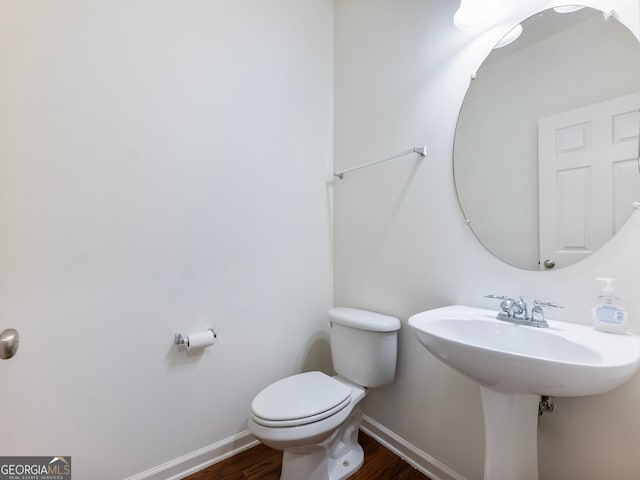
column 514, row 365
column 565, row 359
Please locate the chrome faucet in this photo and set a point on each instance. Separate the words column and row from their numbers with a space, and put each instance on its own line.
column 517, row 311
column 523, row 308
column 511, row 308
column 537, row 314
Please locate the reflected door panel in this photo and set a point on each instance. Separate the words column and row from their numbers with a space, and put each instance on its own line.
column 588, row 177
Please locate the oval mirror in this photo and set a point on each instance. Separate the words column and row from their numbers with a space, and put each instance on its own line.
column 546, row 146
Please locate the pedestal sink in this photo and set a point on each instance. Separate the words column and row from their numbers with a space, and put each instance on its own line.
column 514, row 365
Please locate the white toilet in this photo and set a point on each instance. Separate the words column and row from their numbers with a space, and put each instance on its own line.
column 315, row 418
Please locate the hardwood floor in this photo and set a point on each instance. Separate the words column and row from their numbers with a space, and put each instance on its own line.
column 263, row 463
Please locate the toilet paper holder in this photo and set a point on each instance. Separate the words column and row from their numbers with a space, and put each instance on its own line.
column 180, row 339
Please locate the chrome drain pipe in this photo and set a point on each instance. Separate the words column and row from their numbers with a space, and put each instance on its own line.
column 547, row 404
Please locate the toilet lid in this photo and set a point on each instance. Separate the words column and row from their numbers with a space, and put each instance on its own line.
column 299, row 400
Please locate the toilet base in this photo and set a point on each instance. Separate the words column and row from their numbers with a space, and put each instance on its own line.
column 347, row 465
column 336, row 458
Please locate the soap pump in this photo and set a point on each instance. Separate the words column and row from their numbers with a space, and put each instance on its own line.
column 607, row 316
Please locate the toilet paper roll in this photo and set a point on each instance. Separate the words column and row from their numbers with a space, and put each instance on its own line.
column 199, row 340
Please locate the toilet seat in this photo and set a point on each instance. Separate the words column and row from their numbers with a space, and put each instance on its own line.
column 300, row 400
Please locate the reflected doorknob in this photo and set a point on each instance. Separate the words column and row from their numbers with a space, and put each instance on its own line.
column 9, row 341
column 549, row 263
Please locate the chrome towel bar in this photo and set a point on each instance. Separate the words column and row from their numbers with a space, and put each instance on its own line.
column 422, row 151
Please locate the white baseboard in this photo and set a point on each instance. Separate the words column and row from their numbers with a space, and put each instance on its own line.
column 200, row 459
column 195, row 461
column 408, row 452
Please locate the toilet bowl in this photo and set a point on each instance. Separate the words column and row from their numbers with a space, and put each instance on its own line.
column 320, row 437
column 314, row 418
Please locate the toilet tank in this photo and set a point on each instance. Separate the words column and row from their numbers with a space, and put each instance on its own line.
column 364, row 345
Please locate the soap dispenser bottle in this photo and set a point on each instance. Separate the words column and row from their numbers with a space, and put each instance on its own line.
column 607, row 315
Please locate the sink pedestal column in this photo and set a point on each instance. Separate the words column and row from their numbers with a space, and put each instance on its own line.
column 511, row 435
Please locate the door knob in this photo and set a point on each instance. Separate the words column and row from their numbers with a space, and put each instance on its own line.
column 9, row 341
column 549, row 263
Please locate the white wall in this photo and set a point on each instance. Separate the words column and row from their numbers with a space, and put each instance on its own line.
column 401, row 245
column 163, row 169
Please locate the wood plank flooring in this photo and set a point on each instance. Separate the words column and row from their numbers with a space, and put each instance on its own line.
column 263, row 463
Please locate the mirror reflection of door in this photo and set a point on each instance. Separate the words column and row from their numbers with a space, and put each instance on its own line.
column 562, row 62
column 588, row 177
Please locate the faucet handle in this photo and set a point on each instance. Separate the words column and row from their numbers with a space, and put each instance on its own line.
column 508, row 305
column 538, row 303
column 497, row 297
column 537, row 314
